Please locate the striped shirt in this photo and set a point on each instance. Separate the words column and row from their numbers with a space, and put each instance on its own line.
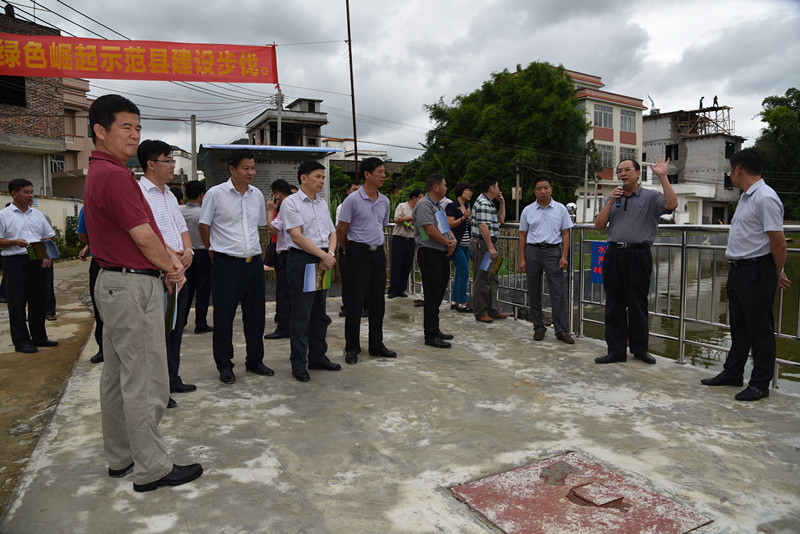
column 165, row 210
column 484, row 212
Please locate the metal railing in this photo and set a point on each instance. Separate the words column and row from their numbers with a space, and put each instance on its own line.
column 689, row 266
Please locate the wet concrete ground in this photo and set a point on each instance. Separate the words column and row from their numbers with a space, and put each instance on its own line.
column 376, row 446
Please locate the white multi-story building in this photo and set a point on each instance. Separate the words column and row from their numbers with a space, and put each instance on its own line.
column 617, row 132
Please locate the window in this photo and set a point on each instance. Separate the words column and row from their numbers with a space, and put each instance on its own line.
column 627, row 121
column 12, row 91
column 606, row 155
column 603, row 116
column 312, row 141
column 57, row 163
column 672, row 152
column 673, row 178
column 730, row 149
column 727, row 181
column 627, row 153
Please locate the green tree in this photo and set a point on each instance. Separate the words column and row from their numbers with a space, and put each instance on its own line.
column 530, row 115
column 779, row 144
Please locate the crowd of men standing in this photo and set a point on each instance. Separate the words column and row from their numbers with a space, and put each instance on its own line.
column 144, row 243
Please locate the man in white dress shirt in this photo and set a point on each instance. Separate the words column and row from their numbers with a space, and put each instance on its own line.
column 155, row 157
column 311, row 239
column 232, row 213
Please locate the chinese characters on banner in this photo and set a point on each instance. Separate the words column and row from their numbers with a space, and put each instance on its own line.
column 599, row 249
column 71, row 57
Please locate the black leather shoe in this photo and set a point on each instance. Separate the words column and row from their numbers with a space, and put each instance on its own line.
column 419, row 303
column 183, row 388
column 404, row 295
column 325, row 365
column 180, row 474
column 227, row 376
column 351, row 358
column 259, row 369
column 301, row 376
column 392, row 295
column 27, row 348
column 342, row 313
column 538, row 335
column 445, row 336
column 97, row 358
column 383, row 351
column 277, row 335
column 438, row 342
column 646, row 358
column 119, row 473
column 203, row 329
column 722, row 379
column 608, row 358
column 752, row 393
column 171, row 403
column 45, row 343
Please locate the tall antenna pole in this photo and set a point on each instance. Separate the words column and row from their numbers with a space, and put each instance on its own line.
column 352, row 89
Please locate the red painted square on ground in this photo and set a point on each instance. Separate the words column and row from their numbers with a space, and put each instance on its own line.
column 572, row 494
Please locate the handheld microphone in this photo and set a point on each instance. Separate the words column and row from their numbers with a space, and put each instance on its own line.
column 619, row 198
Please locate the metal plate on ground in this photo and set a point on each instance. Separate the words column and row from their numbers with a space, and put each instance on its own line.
column 572, row 494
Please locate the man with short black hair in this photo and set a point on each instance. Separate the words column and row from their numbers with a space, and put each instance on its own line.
column 543, row 230
column 20, row 225
column 311, row 240
column 485, row 224
column 229, row 221
column 359, row 233
column 632, row 214
column 133, row 257
column 435, row 245
column 155, row 157
column 403, row 245
column 757, row 255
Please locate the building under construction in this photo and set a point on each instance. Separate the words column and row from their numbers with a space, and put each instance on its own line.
column 699, row 143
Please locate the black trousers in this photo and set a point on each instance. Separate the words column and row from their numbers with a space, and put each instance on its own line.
column 233, row 283
column 198, row 282
column 402, row 261
column 25, row 287
column 308, row 325
column 174, row 342
column 626, row 280
column 751, row 294
column 283, row 303
column 94, row 270
column 434, row 266
column 366, row 274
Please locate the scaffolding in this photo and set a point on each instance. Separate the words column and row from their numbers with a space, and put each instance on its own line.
column 699, row 122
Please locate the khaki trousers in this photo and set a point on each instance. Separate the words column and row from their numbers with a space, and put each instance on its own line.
column 134, row 387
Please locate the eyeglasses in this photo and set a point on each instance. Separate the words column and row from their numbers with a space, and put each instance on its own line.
column 167, row 161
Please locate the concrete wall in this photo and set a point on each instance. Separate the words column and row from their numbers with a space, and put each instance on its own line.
column 33, row 167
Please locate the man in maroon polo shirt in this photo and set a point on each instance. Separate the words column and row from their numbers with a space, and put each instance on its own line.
column 134, row 386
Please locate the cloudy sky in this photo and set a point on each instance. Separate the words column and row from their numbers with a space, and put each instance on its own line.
column 410, row 53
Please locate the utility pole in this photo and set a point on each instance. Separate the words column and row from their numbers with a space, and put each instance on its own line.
column 518, row 191
column 586, row 189
column 352, row 90
column 279, row 106
column 194, row 147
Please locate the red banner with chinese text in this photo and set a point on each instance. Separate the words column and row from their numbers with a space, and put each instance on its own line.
column 73, row 57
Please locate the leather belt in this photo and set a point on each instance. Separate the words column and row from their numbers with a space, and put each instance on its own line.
column 544, row 245
column 235, row 258
column 616, row 244
column 748, row 261
column 370, row 248
column 148, row 272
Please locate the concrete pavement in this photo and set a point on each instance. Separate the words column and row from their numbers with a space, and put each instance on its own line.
column 376, row 446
